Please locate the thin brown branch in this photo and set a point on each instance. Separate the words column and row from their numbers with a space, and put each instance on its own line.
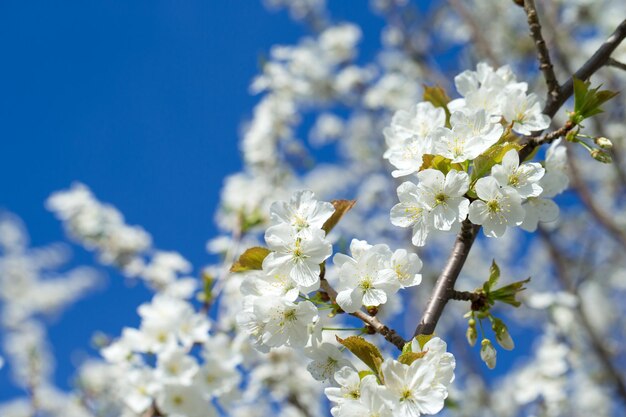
column 543, row 55
column 597, row 344
column 588, row 201
column 445, row 283
column 376, row 325
column 597, row 61
column 616, row 64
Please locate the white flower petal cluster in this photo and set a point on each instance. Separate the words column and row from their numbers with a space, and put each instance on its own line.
column 496, row 208
column 514, row 194
column 407, row 390
column 178, row 383
column 500, row 95
column 373, row 274
column 272, row 316
column 470, row 135
column 408, row 137
column 296, row 239
column 519, row 194
column 327, row 360
column 99, row 226
column 436, row 202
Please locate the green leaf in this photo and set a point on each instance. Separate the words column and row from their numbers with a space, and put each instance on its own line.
column 410, row 357
column 436, row 162
column 494, row 276
column 341, row 208
column 251, row 259
column 407, row 347
column 439, row 98
column 508, row 293
column 483, row 163
column 587, row 101
column 364, row 350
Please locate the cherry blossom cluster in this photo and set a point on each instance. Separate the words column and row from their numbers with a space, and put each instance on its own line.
column 298, row 245
column 101, row 227
column 406, row 390
column 510, row 193
column 277, row 311
column 98, row 226
column 177, row 382
column 373, row 274
column 32, row 289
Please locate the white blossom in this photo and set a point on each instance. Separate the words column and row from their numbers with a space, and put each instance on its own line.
column 299, row 256
column 497, row 207
column 366, row 280
column 523, row 178
column 411, row 212
column 443, row 196
column 470, row 135
column 303, row 212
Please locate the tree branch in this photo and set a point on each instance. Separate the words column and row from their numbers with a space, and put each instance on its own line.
column 597, row 60
column 615, row 63
column 543, row 55
column 587, row 199
column 389, row 334
column 465, row 239
column 597, row 344
column 445, row 283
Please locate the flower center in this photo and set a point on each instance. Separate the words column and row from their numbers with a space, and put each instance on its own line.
column 406, row 394
column 297, row 250
column 413, row 212
column 440, row 198
column 514, row 180
column 494, row 206
column 366, row 284
column 290, row 315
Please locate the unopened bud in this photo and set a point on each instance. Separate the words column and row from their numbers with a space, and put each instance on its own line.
column 503, row 336
column 603, row 142
column 471, row 335
column 601, row 156
column 488, row 353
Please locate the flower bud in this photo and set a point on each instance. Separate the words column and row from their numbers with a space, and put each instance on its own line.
column 488, row 353
column 471, row 335
column 502, row 335
column 603, row 142
column 601, row 156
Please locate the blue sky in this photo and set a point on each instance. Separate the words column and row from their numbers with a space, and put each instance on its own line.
column 142, row 101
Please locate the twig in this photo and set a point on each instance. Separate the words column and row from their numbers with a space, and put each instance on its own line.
column 597, row 61
column 445, row 283
column 560, row 265
column 389, row 334
column 615, row 63
column 587, row 199
column 543, row 55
